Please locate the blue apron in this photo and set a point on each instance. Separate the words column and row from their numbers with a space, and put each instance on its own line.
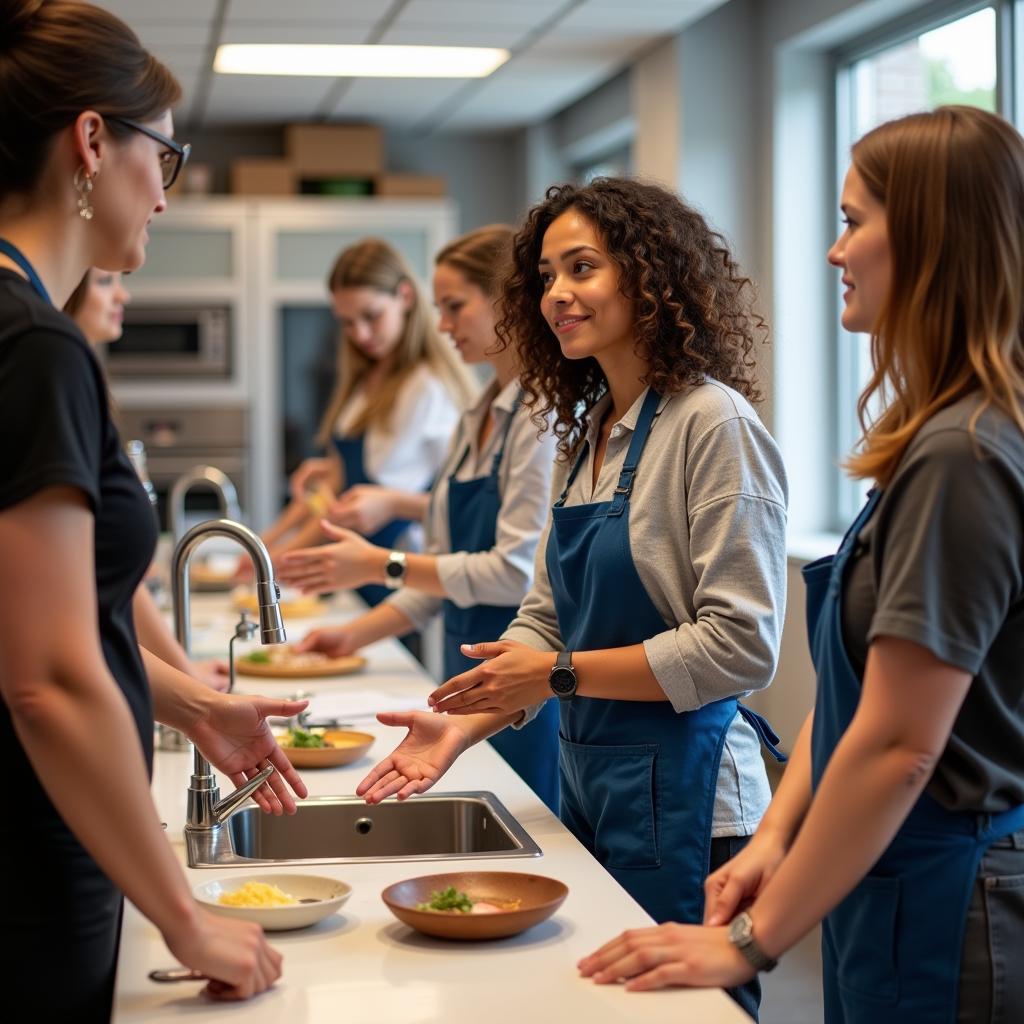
column 891, row 949
column 638, row 779
column 473, row 509
column 350, row 449
column 20, row 259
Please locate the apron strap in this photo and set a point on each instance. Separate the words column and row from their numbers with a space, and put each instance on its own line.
column 500, row 453
column 14, row 253
column 765, row 733
column 641, row 432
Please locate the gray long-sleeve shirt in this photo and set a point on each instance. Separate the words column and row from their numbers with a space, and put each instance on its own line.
column 707, row 529
column 501, row 575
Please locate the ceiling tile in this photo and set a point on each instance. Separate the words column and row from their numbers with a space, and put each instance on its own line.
column 136, row 11
column 453, row 13
column 469, row 34
column 262, row 32
column 270, row 98
column 324, row 11
column 399, row 102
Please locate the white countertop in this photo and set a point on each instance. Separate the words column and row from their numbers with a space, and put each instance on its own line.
column 362, row 966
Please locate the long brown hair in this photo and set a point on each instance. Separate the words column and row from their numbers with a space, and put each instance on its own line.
column 693, row 306
column 482, row 256
column 373, row 263
column 58, row 58
column 952, row 183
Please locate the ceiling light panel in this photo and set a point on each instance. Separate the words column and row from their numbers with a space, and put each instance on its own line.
column 341, row 61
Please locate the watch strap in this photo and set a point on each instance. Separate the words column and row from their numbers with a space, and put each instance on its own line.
column 741, row 934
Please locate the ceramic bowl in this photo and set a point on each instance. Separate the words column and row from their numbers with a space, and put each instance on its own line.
column 538, row 898
column 347, row 746
column 326, row 896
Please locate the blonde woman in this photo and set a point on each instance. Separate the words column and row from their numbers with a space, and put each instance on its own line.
column 900, row 819
column 398, row 396
column 485, row 516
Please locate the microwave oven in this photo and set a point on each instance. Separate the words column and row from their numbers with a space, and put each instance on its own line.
column 167, row 340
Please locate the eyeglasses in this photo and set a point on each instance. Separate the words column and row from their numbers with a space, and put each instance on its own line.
column 174, row 156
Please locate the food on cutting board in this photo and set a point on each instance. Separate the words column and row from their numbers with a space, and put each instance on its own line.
column 450, row 900
column 284, row 655
column 257, row 894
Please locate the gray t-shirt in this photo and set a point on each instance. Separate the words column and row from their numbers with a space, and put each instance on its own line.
column 941, row 563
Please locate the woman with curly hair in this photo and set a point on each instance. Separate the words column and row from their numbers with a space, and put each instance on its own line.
column 660, row 579
column 904, row 801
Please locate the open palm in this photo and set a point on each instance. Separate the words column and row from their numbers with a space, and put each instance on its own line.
column 429, row 749
column 234, row 736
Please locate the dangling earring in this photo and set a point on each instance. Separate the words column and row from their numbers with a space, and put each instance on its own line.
column 83, row 186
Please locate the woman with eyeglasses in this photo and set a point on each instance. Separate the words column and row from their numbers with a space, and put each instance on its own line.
column 900, row 820
column 85, row 156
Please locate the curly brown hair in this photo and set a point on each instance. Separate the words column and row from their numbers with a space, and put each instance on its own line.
column 694, row 308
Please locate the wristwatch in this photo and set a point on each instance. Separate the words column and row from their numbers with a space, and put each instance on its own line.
column 394, row 570
column 562, row 678
column 741, row 935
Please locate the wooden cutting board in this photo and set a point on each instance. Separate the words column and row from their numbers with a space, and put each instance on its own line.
column 281, row 668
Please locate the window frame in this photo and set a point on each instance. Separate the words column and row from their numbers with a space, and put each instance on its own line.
column 846, row 495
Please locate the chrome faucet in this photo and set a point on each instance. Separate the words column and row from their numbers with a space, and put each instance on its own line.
column 205, row 808
column 210, row 476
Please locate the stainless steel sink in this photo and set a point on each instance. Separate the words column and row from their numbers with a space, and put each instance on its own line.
column 339, row 830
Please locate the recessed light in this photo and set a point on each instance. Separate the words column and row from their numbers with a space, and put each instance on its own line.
column 358, row 61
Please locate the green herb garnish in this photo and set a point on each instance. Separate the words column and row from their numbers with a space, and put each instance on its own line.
column 304, row 738
column 448, row 899
column 260, row 657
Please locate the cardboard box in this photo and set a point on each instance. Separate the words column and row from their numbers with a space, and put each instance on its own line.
column 334, row 150
column 263, row 176
column 410, row 185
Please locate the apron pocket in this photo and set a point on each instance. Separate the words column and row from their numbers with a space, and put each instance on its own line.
column 1004, row 907
column 612, row 788
column 866, row 955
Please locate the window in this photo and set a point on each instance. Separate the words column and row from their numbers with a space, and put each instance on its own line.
column 955, row 58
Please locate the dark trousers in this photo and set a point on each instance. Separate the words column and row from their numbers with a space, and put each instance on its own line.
column 991, row 975
column 747, row 996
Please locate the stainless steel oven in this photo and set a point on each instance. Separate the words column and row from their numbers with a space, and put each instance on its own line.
column 169, row 340
column 177, row 439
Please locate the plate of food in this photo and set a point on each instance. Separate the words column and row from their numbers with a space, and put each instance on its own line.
column 274, row 902
column 301, row 606
column 470, row 905
column 211, row 577
column 284, row 662
column 323, row 748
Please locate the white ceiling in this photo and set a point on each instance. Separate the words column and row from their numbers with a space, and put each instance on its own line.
column 561, row 49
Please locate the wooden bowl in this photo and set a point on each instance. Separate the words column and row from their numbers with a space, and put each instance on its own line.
column 539, row 898
column 349, row 746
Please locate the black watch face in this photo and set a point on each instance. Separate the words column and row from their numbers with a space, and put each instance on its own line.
column 395, row 570
column 563, row 681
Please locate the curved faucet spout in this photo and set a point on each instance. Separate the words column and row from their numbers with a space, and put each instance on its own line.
column 209, row 476
column 204, row 806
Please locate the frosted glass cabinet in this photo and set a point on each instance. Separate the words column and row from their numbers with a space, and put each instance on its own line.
column 268, row 260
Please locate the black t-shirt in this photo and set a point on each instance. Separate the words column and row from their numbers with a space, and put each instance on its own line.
column 941, row 563
column 56, row 425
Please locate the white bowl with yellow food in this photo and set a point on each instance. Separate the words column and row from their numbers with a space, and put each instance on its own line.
column 275, row 902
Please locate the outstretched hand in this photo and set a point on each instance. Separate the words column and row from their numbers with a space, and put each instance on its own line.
column 233, row 734
column 429, row 749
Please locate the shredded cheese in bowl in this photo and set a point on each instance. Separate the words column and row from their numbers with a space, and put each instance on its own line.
column 257, row 894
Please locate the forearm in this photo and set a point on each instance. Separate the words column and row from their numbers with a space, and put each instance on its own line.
column 82, row 743
column 307, row 534
column 377, row 624
column 411, row 505
column 618, row 673
column 154, row 634
column 292, row 517
column 178, row 699
column 866, row 792
column 792, row 798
